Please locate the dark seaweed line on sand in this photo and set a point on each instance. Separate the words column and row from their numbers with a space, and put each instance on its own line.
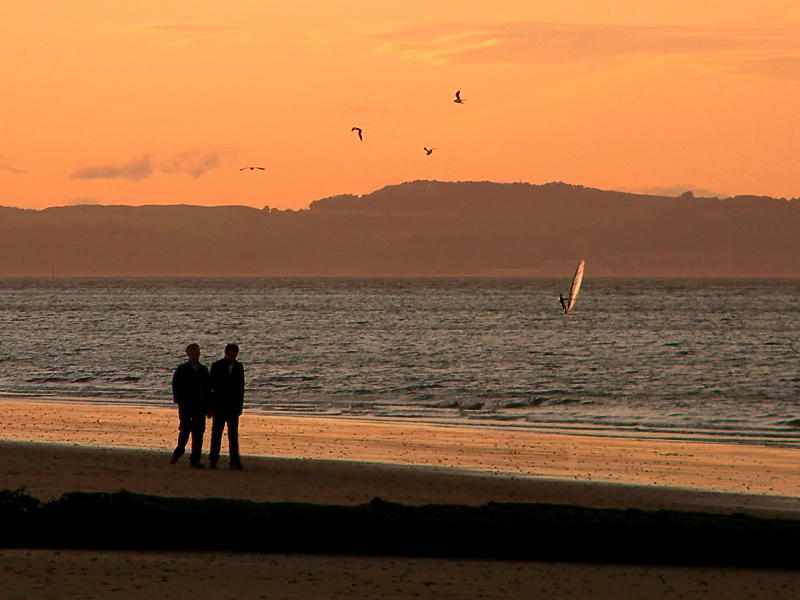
column 541, row 532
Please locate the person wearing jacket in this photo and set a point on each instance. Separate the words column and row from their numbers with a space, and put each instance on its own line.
column 227, row 401
column 191, row 391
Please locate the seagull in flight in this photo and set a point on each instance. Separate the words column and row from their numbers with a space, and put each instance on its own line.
column 429, row 150
column 252, row 168
column 458, row 99
column 358, row 129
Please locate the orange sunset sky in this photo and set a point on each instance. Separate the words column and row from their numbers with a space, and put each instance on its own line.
column 153, row 102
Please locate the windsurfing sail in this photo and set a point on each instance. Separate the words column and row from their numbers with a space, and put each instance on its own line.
column 573, row 290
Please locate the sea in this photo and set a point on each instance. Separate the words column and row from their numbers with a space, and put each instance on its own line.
column 715, row 359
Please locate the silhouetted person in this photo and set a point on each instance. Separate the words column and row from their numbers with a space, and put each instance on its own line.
column 191, row 391
column 227, row 400
column 563, row 303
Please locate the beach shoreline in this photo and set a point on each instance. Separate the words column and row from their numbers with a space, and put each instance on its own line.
column 758, row 438
column 51, row 448
column 733, row 476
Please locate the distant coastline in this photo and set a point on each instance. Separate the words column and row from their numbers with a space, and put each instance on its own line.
column 416, row 229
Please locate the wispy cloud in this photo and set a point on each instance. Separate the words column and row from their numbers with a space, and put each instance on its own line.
column 135, row 171
column 6, row 166
column 765, row 51
column 677, row 190
column 83, row 201
column 194, row 163
column 180, row 27
column 786, row 68
column 182, row 32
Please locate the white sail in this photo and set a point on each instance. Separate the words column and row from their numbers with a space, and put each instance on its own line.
column 576, row 287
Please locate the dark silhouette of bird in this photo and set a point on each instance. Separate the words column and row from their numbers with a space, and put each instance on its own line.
column 358, row 129
column 428, row 151
column 252, row 168
column 458, row 99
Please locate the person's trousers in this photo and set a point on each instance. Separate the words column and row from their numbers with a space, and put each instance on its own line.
column 192, row 423
column 217, row 426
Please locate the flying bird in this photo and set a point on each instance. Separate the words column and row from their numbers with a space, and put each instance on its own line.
column 358, row 129
column 252, row 168
column 458, row 99
column 429, row 150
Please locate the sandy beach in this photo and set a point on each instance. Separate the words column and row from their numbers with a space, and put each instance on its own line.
column 56, row 447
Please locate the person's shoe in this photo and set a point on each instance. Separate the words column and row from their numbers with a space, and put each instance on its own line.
column 174, row 458
column 237, row 466
column 212, row 464
column 197, row 466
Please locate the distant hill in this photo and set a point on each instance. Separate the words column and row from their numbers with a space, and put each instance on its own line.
column 421, row 228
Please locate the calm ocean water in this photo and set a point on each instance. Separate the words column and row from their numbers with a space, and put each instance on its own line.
column 718, row 358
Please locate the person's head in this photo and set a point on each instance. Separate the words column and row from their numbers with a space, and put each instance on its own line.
column 231, row 351
column 193, row 352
